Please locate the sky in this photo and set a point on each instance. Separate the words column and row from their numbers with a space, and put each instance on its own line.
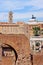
column 22, row 10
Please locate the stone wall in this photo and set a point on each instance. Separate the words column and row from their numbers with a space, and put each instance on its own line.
column 21, row 45
column 38, row 59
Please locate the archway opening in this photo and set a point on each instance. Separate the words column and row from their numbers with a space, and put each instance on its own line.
column 8, row 50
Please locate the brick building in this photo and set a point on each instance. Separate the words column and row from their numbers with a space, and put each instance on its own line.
column 19, row 45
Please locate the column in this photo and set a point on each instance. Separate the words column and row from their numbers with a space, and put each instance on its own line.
column 14, row 59
column 40, row 46
column 34, row 47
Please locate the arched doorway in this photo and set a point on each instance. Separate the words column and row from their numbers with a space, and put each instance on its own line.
column 9, row 53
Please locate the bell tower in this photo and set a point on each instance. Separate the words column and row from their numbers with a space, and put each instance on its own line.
column 10, row 17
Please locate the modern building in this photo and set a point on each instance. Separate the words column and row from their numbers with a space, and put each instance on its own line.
column 21, row 43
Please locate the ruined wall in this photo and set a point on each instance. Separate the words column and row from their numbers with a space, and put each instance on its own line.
column 21, row 44
column 38, row 59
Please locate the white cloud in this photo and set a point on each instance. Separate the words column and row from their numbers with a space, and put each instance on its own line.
column 37, row 3
column 28, row 15
column 3, row 16
column 18, row 16
column 13, row 5
column 10, row 5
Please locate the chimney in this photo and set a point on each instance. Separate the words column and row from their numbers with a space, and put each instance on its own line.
column 10, row 17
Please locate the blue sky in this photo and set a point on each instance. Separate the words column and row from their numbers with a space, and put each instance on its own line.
column 22, row 9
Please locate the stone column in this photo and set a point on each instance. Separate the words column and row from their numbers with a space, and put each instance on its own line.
column 14, row 63
column 40, row 46
column 14, row 60
column 34, row 47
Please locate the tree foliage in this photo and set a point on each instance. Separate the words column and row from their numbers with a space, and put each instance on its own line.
column 36, row 31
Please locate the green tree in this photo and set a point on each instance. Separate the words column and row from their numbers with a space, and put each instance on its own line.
column 36, row 31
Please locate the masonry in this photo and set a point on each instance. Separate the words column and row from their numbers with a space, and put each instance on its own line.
column 19, row 43
column 14, row 43
column 15, row 48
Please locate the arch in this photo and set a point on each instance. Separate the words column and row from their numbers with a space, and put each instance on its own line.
column 16, row 55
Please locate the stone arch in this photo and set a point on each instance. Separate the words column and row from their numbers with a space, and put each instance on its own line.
column 20, row 44
column 16, row 55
